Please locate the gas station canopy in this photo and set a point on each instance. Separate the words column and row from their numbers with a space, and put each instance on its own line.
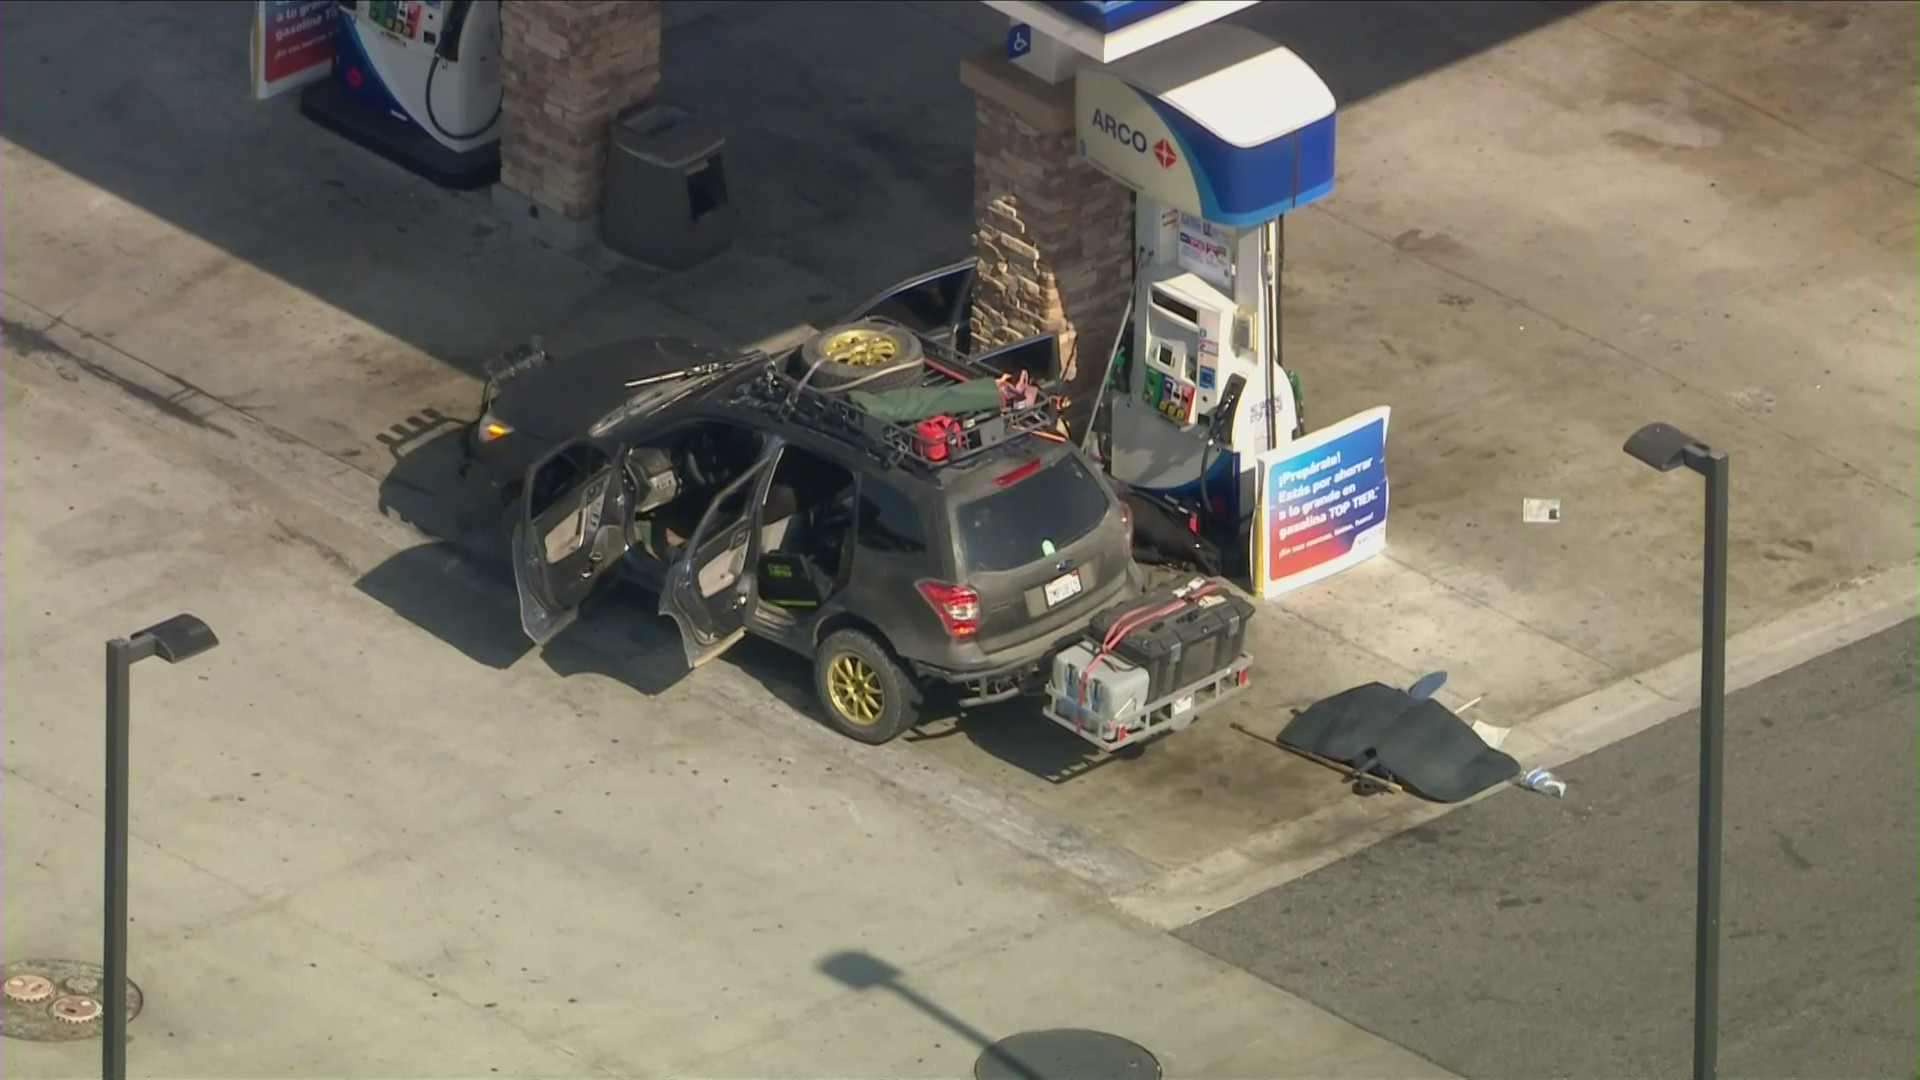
column 1108, row 31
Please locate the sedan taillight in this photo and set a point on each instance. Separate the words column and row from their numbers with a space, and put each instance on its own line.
column 957, row 605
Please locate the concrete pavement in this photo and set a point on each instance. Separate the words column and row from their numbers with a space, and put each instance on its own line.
column 357, row 853
column 1613, row 220
column 1556, row 938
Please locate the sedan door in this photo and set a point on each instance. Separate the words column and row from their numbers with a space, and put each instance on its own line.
column 576, row 521
column 710, row 587
column 936, row 305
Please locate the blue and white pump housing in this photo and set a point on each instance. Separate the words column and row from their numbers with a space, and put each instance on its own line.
column 434, row 64
column 1220, row 132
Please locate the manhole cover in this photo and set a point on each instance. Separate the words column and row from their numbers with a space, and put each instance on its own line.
column 1066, row 1054
column 55, row 1000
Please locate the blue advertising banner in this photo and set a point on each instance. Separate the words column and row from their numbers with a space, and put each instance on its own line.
column 1322, row 503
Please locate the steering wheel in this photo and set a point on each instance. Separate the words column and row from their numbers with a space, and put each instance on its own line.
column 698, row 461
column 834, row 513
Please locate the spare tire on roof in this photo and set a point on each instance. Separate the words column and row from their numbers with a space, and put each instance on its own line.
column 858, row 353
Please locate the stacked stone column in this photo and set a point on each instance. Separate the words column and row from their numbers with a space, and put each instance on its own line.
column 1053, row 235
column 569, row 67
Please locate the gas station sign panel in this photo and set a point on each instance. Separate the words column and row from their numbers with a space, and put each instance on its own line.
column 292, row 44
column 1322, row 504
column 1248, row 139
column 1120, row 134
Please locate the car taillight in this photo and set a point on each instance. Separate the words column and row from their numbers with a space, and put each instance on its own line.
column 490, row 429
column 1126, row 522
column 957, row 605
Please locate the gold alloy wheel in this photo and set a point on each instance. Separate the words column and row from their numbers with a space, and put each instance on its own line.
column 861, row 347
column 854, row 688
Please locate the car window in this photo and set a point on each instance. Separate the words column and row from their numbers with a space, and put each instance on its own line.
column 707, row 454
column 888, row 520
column 928, row 307
column 1030, row 517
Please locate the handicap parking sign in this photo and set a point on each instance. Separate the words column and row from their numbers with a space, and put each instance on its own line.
column 1019, row 41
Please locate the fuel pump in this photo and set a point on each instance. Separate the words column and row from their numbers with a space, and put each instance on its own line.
column 419, row 83
column 1220, row 133
column 1204, row 391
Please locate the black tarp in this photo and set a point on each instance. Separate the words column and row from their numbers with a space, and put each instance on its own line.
column 1416, row 742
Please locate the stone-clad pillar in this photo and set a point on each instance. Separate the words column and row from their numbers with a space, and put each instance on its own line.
column 569, row 66
column 1054, row 235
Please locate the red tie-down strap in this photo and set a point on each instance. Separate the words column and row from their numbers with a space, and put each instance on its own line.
column 1127, row 624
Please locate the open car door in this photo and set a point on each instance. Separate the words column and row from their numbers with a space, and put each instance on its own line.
column 1038, row 356
column 710, row 587
column 935, row 305
column 576, row 521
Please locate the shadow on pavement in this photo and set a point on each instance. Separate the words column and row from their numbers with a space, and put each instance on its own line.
column 847, row 176
column 1361, row 50
column 426, row 586
column 860, row 971
column 1017, row 733
column 460, row 587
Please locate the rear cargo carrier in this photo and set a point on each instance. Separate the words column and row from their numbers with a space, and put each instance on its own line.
column 1151, row 666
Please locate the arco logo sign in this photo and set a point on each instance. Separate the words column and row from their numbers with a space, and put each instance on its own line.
column 1134, row 139
column 1120, row 132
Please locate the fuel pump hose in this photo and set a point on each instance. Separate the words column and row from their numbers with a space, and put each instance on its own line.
column 458, row 14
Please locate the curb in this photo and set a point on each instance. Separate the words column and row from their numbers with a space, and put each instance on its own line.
column 1863, row 607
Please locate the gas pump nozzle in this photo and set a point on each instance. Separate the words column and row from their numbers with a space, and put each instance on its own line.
column 1219, row 433
column 1220, row 424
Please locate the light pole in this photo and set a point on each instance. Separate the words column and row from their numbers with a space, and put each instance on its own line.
column 1665, row 448
column 174, row 640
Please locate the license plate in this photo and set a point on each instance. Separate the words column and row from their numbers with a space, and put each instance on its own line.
column 1064, row 587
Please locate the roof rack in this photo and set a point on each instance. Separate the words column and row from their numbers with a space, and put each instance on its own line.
column 785, row 388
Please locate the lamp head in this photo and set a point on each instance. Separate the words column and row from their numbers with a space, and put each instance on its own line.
column 179, row 638
column 1663, row 446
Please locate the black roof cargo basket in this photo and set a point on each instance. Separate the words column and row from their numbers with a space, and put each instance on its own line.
column 785, row 388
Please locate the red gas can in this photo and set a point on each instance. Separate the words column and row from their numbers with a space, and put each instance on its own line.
column 936, row 433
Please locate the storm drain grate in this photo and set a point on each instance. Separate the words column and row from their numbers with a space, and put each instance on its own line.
column 55, row 1000
column 1066, row 1054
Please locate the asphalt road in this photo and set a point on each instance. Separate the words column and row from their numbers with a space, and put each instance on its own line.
column 1524, row 937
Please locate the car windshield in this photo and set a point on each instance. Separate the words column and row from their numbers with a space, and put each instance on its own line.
column 1030, row 517
column 656, row 393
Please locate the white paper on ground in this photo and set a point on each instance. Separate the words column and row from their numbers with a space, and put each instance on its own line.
column 1540, row 511
column 1492, row 736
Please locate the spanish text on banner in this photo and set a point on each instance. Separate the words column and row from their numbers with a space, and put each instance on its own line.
column 1322, row 503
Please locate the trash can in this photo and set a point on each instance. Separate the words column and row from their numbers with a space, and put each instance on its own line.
column 666, row 201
